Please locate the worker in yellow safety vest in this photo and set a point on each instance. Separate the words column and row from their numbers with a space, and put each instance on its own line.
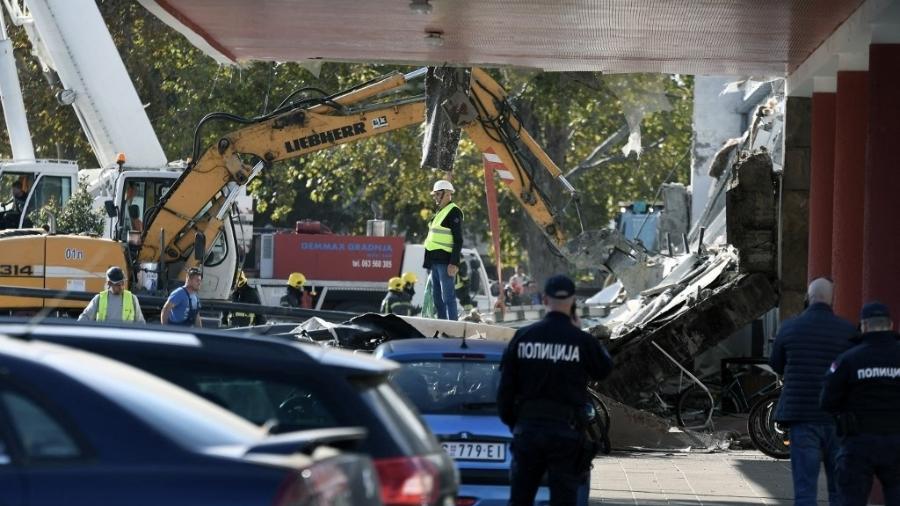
column 443, row 246
column 115, row 304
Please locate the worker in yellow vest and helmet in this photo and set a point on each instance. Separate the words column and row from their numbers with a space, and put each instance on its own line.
column 115, row 304
column 443, row 246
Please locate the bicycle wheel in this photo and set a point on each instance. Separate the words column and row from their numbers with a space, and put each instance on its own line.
column 768, row 435
column 695, row 407
column 602, row 421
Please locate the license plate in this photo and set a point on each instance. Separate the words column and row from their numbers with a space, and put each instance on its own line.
column 475, row 451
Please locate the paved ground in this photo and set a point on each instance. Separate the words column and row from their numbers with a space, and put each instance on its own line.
column 726, row 478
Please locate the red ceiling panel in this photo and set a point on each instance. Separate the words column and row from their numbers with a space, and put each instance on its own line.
column 759, row 37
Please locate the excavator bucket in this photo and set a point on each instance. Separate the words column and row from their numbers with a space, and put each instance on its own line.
column 447, row 108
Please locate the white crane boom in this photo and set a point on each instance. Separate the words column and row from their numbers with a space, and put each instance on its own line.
column 13, row 105
column 70, row 37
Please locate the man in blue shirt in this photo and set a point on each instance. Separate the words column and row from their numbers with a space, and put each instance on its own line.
column 183, row 305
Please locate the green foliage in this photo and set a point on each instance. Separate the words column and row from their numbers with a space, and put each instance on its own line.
column 78, row 216
column 570, row 114
column 42, row 217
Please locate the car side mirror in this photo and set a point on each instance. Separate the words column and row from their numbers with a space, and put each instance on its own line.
column 111, row 209
column 199, row 247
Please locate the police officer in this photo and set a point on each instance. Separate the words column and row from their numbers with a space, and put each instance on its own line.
column 542, row 397
column 245, row 294
column 183, row 305
column 396, row 301
column 115, row 304
column 862, row 388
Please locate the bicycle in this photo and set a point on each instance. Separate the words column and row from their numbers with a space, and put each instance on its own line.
column 599, row 427
column 769, row 436
column 697, row 403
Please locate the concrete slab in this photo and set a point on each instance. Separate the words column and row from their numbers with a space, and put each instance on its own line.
column 731, row 478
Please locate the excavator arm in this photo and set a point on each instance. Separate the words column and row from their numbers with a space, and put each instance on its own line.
column 198, row 202
column 497, row 132
column 481, row 108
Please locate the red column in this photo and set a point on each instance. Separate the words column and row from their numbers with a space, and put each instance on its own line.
column 881, row 242
column 851, row 125
column 821, row 185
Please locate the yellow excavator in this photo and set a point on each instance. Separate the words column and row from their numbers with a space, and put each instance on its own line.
column 178, row 231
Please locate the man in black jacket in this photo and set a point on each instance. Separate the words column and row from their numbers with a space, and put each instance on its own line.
column 804, row 349
column 862, row 388
column 246, row 294
column 542, row 396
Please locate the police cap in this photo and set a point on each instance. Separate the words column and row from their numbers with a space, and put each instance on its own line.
column 559, row 286
column 874, row 310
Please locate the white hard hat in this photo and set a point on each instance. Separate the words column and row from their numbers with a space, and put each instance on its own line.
column 443, row 184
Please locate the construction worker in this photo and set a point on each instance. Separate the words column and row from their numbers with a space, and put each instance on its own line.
column 297, row 296
column 443, row 246
column 397, row 301
column 461, row 287
column 409, row 283
column 115, row 304
column 183, row 305
column 245, row 294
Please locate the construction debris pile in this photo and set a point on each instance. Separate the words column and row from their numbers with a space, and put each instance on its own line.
column 708, row 291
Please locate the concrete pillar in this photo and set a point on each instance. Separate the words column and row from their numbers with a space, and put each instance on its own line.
column 851, row 119
column 821, row 185
column 793, row 221
column 881, row 234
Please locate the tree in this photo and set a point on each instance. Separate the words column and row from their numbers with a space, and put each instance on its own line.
column 77, row 216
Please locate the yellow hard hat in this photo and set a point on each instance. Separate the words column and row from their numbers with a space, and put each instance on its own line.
column 241, row 279
column 409, row 277
column 296, row 279
column 395, row 283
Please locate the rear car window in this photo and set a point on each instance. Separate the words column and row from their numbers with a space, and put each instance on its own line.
column 295, row 407
column 289, row 403
column 41, row 436
column 177, row 414
column 450, row 387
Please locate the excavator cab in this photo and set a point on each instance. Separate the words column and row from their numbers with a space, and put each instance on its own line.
column 140, row 193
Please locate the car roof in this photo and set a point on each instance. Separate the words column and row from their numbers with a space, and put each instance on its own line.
column 423, row 348
column 59, row 330
column 131, row 388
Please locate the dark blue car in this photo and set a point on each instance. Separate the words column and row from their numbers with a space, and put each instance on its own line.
column 454, row 382
column 80, row 429
column 282, row 385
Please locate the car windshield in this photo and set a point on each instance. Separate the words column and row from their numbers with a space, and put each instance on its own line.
column 450, row 387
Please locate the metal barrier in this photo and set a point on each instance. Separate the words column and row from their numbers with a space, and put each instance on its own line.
column 156, row 303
